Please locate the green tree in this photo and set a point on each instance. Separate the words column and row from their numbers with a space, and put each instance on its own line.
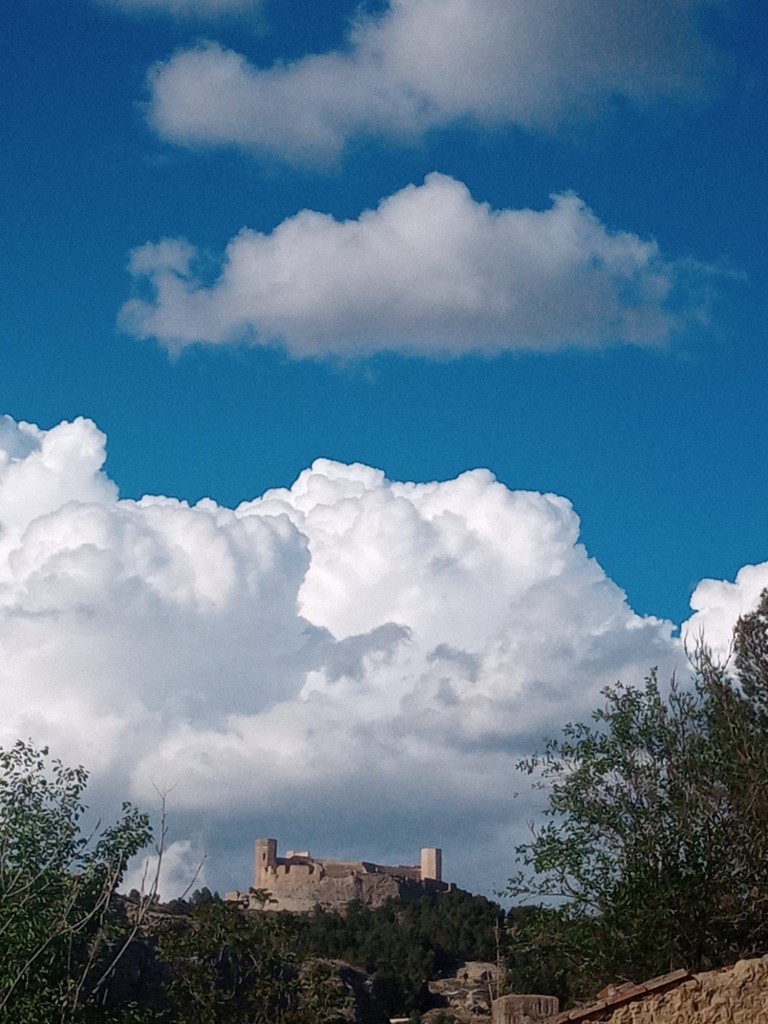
column 202, row 897
column 653, row 853
column 58, row 922
column 229, row 966
column 404, row 945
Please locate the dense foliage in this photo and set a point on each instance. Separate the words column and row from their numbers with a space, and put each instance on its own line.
column 226, row 966
column 58, row 926
column 403, row 945
column 653, row 855
column 222, row 965
column 73, row 952
column 654, row 851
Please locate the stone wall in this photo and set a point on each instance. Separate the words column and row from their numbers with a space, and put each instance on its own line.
column 372, row 890
column 298, row 882
column 733, row 995
column 736, row 995
column 523, row 1009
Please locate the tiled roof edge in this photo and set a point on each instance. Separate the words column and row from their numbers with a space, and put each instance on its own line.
column 627, row 995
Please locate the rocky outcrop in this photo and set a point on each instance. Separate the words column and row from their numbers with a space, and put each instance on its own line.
column 469, row 992
column 355, row 987
column 370, row 889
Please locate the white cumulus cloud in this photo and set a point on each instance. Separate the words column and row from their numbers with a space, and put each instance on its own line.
column 430, row 271
column 176, row 869
column 717, row 604
column 426, row 63
column 350, row 664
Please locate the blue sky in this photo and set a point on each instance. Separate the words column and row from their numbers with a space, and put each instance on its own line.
column 637, row 394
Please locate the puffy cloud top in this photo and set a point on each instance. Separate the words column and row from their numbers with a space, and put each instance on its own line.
column 718, row 604
column 429, row 272
column 425, row 63
column 350, row 663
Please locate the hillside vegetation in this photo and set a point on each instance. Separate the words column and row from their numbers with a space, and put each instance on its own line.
column 652, row 855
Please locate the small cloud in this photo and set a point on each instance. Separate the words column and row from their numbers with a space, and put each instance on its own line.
column 178, row 871
column 184, row 8
column 426, row 63
column 430, row 272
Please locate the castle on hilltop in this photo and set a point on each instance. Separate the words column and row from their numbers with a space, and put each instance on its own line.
column 299, row 882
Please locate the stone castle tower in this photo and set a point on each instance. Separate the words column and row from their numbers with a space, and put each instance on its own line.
column 298, row 882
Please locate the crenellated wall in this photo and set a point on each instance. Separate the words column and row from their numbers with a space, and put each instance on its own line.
column 297, row 881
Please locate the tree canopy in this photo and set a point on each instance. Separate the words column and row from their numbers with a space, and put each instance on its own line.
column 56, row 888
column 404, row 945
column 652, row 855
column 70, row 952
column 653, row 852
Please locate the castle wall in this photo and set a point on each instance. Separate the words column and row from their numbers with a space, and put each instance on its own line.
column 300, row 882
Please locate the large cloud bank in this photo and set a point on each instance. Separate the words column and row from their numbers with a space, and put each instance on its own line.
column 426, row 63
column 429, row 272
column 351, row 664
